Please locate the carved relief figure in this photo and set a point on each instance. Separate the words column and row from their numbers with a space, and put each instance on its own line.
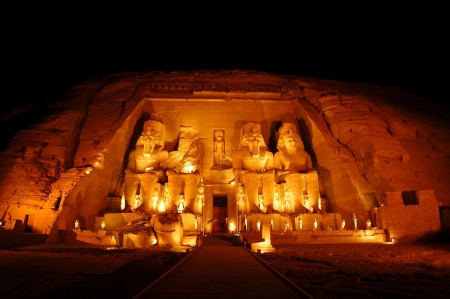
column 294, row 168
column 219, row 146
column 253, row 166
column 145, row 168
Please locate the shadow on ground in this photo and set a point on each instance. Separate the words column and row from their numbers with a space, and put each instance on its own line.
column 126, row 282
column 222, row 240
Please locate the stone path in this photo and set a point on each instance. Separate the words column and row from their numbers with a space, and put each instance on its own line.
column 220, row 270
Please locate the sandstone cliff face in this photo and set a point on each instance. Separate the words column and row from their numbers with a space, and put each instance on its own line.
column 366, row 141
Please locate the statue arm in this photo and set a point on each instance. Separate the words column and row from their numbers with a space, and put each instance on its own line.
column 269, row 161
column 277, row 161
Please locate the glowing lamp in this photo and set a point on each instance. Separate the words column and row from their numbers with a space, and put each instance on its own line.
column 189, row 168
column 232, row 226
column 161, row 207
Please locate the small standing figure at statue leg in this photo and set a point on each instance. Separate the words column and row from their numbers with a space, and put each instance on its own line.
column 241, row 198
column 181, row 204
column 355, row 221
column 315, row 224
column 343, row 225
column 258, row 226
column 368, row 224
column 286, row 226
column 287, row 202
column 262, row 207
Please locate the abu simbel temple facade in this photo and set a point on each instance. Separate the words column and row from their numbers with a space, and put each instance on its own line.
column 163, row 159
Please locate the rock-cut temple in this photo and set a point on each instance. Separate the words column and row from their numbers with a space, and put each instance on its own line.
column 163, row 159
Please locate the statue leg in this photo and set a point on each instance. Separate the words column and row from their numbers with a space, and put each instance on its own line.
column 130, row 189
column 191, row 190
column 312, row 180
column 175, row 182
column 295, row 185
column 251, row 185
column 268, row 182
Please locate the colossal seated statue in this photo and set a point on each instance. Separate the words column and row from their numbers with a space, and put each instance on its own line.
column 183, row 171
column 144, row 169
column 294, row 171
column 253, row 168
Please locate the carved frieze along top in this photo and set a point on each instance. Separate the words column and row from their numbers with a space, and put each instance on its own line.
column 264, row 89
column 171, row 88
column 211, row 89
column 204, row 87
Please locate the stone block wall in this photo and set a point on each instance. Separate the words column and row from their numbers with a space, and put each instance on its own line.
column 406, row 223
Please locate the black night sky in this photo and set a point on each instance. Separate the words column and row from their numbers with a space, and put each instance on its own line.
column 402, row 47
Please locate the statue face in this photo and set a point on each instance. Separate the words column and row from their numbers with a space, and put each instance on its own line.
column 290, row 140
column 152, row 135
column 253, row 139
column 218, row 135
column 200, row 190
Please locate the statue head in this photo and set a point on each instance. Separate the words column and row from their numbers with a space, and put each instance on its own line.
column 218, row 135
column 252, row 138
column 240, row 189
column 201, row 189
column 289, row 137
column 152, row 135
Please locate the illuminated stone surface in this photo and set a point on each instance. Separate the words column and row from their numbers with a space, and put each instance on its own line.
column 367, row 145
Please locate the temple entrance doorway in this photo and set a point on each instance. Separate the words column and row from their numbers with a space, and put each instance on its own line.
column 220, row 213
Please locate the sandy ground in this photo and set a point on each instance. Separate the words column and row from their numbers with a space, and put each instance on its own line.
column 366, row 270
column 323, row 271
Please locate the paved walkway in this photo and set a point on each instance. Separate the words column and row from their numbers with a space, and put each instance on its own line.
column 220, row 270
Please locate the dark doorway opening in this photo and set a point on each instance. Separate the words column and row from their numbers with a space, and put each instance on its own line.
column 220, row 213
column 28, row 223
